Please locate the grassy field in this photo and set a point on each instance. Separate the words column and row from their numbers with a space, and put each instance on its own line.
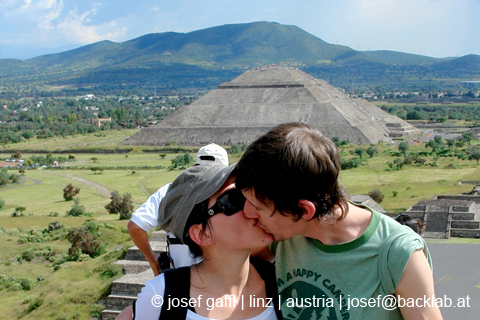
column 104, row 139
column 412, row 183
column 72, row 291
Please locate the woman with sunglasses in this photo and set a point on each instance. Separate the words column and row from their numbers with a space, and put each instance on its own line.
column 204, row 210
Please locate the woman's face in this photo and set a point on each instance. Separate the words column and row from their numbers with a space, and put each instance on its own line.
column 236, row 231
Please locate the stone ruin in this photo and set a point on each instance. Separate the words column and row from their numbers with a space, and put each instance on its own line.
column 448, row 216
column 239, row 111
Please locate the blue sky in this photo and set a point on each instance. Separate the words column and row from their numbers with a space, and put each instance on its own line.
column 437, row 28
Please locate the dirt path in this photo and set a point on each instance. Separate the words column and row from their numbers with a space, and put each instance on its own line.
column 22, row 180
column 101, row 189
column 142, row 184
column 93, row 142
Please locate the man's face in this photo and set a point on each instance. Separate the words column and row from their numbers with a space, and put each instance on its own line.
column 270, row 220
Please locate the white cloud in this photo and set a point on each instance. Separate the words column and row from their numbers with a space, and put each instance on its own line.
column 75, row 30
column 51, row 23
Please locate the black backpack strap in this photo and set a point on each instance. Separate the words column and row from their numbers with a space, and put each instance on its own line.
column 266, row 270
column 177, row 285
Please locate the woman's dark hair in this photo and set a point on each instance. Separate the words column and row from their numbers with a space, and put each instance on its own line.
column 195, row 218
column 408, row 221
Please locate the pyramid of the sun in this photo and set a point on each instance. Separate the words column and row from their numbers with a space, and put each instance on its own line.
column 245, row 108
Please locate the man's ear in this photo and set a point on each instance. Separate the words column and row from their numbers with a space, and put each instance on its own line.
column 308, row 209
column 199, row 235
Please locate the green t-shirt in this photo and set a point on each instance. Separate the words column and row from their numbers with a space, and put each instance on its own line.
column 348, row 280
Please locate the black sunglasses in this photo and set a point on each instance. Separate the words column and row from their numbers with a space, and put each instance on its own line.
column 228, row 203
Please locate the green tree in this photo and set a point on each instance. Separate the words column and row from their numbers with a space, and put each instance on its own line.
column 187, row 158
column 162, row 155
column 398, row 163
column 4, row 177
column 467, row 137
column 438, row 139
column 371, row 151
column 414, row 115
column 94, row 159
column 28, row 134
column 359, row 151
column 181, row 160
column 20, row 210
column 403, row 147
column 96, row 170
column 120, row 205
column 432, row 144
column 72, row 119
column 14, row 178
column 474, row 155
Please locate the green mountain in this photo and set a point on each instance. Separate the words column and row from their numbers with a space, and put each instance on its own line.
column 400, row 58
column 235, row 45
column 203, row 59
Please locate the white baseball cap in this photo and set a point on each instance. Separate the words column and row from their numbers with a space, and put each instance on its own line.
column 212, row 152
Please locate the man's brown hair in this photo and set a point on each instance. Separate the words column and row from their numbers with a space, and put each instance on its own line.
column 293, row 162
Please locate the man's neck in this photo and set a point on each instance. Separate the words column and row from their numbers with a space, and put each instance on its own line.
column 331, row 232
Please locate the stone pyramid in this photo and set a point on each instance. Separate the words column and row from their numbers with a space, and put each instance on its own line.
column 248, row 106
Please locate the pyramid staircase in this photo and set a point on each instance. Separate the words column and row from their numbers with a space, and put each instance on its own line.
column 124, row 290
column 457, row 216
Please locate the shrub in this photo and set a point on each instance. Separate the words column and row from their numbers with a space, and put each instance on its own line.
column 28, row 255
column 70, row 191
column 91, row 226
column 14, row 178
column 83, row 242
column 19, row 210
column 54, row 225
column 120, row 205
column 77, row 209
column 33, row 235
column 2, row 203
column 376, row 195
column 34, row 305
column 13, row 232
column 236, row 148
column 26, row 284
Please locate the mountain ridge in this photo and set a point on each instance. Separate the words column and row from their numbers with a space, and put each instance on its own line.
column 215, row 54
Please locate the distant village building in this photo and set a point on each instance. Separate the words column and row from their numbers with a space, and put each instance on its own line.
column 98, row 122
column 87, row 96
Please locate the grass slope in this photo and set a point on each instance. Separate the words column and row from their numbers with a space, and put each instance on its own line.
column 72, row 291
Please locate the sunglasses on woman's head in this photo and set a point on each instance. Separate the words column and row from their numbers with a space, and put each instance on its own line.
column 228, row 203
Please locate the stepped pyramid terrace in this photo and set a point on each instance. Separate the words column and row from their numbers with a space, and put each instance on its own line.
column 448, row 216
column 239, row 111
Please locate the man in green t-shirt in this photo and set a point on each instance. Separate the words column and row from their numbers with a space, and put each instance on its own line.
column 334, row 259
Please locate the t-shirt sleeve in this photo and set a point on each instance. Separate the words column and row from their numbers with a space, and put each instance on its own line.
column 146, row 216
column 150, row 299
column 400, row 252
